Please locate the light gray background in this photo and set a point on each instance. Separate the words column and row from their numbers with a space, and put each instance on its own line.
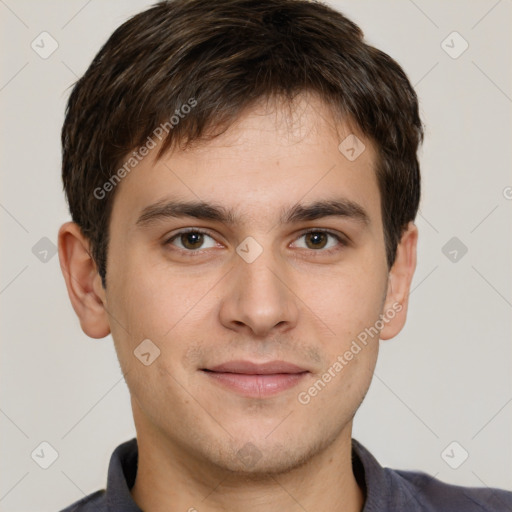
column 446, row 377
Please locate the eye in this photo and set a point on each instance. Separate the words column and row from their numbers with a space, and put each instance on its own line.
column 191, row 240
column 318, row 240
column 194, row 240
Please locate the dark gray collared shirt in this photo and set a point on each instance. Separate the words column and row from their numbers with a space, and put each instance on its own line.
column 386, row 490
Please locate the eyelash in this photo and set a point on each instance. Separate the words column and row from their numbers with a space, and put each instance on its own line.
column 342, row 241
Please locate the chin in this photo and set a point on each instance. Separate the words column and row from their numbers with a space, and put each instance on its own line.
column 262, row 457
column 260, row 463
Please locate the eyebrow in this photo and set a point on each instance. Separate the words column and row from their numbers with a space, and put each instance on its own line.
column 166, row 209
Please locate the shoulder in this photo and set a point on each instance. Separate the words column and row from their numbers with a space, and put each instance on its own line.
column 94, row 502
column 415, row 491
column 432, row 494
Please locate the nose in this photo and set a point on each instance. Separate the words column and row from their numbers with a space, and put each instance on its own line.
column 259, row 298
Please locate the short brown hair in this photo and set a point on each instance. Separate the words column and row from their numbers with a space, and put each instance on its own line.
column 226, row 55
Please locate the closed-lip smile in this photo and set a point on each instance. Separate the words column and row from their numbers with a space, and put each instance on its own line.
column 257, row 380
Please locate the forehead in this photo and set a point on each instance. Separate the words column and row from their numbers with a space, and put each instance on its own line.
column 272, row 157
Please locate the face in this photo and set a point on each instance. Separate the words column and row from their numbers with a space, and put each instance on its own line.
column 284, row 264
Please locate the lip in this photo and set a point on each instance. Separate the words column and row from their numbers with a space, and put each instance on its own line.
column 256, row 380
column 250, row 368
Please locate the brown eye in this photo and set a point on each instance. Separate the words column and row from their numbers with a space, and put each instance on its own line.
column 316, row 239
column 192, row 240
column 321, row 241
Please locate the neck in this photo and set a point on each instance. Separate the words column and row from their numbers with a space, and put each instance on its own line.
column 171, row 479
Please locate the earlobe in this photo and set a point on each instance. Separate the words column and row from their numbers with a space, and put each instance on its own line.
column 83, row 281
column 399, row 284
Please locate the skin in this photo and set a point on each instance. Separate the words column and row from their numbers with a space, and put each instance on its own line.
column 296, row 302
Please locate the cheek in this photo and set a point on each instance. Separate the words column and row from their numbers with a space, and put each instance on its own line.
column 156, row 300
column 349, row 301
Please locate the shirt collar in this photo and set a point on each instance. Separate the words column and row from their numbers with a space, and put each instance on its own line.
column 122, row 471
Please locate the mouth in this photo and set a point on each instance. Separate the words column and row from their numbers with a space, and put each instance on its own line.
column 256, row 380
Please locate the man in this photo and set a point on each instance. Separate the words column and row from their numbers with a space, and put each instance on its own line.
column 243, row 182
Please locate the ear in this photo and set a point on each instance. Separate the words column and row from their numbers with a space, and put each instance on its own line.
column 399, row 283
column 83, row 282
